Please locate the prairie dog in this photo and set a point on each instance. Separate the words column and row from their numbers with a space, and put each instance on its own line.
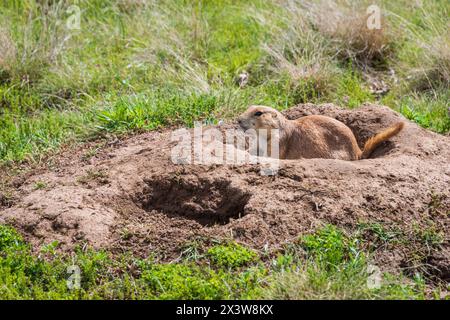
column 313, row 136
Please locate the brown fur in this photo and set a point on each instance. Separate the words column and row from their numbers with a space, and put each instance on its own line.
column 313, row 136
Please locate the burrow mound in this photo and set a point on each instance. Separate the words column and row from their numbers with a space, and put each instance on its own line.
column 130, row 196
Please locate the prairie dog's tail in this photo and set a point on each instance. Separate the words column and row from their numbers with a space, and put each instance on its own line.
column 375, row 141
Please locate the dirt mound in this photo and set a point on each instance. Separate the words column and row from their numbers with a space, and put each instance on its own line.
column 131, row 196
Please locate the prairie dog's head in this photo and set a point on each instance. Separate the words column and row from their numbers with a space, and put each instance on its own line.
column 261, row 117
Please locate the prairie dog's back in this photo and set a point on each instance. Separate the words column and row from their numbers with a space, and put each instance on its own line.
column 318, row 136
column 314, row 136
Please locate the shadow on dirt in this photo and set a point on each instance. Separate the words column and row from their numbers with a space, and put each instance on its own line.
column 208, row 202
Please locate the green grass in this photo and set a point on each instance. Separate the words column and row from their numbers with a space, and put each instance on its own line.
column 430, row 111
column 326, row 264
column 425, row 236
column 140, row 67
column 230, row 255
column 39, row 185
column 334, row 267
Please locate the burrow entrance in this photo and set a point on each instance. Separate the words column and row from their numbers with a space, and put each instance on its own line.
column 207, row 201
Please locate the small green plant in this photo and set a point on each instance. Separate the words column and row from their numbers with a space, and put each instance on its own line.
column 9, row 238
column 435, row 206
column 330, row 246
column 381, row 234
column 428, row 235
column 192, row 250
column 50, row 248
column 40, row 185
column 126, row 234
column 91, row 152
column 231, row 255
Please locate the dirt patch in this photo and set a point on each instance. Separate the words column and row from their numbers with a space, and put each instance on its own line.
column 130, row 196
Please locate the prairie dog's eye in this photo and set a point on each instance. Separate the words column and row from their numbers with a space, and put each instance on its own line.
column 258, row 113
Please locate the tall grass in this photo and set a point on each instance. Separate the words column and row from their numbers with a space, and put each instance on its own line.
column 130, row 56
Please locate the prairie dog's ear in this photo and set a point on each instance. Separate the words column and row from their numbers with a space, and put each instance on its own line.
column 274, row 114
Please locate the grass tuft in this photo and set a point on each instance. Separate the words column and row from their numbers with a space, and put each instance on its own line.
column 231, row 255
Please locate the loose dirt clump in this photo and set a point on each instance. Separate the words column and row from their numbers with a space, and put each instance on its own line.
column 130, row 196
